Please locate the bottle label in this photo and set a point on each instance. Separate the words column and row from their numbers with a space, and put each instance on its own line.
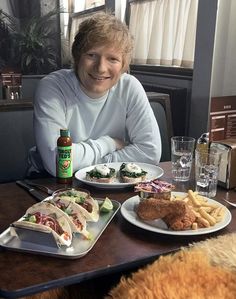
column 64, row 162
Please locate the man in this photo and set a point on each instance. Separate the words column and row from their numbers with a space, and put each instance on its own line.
column 105, row 109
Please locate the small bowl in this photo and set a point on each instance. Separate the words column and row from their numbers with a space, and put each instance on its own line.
column 154, row 189
column 159, row 195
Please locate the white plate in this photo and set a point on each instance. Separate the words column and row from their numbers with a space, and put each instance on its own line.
column 159, row 226
column 153, row 172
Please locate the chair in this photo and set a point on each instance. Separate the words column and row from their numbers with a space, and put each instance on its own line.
column 160, row 104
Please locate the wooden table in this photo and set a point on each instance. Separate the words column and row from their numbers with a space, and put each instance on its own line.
column 121, row 247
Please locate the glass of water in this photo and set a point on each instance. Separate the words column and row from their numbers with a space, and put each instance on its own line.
column 206, row 172
column 182, row 148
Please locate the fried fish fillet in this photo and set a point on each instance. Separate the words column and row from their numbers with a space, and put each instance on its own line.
column 182, row 220
column 154, row 208
column 176, row 214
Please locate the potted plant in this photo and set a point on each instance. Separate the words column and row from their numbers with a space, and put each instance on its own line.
column 6, row 43
column 37, row 44
column 32, row 45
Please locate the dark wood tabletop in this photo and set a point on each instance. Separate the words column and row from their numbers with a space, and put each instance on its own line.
column 122, row 246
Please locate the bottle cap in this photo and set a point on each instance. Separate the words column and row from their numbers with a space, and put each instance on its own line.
column 64, row 133
column 204, row 138
column 205, row 135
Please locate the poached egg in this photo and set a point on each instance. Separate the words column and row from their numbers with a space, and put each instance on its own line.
column 132, row 168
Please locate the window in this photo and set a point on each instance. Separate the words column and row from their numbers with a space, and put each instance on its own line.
column 71, row 16
column 164, row 32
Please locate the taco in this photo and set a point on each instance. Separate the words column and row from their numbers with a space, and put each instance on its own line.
column 45, row 217
column 87, row 205
column 73, row 214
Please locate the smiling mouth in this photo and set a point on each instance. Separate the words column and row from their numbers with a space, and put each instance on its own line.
column 99, row 78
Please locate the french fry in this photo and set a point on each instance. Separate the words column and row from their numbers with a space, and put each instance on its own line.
column 207, row 216
column 202, row 222
column 194, row 226
column 207, row 204
column 208, row 209
column 185, row 199
column 218, row 213
column 221, row 212
column 197, row 214
column 193, row 198
column 201, row 198
column 189, row 202
column 218, row 219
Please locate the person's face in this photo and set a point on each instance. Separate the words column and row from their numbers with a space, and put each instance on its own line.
column 99, row 69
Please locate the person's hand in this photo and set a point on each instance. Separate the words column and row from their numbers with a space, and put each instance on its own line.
column 119, row 143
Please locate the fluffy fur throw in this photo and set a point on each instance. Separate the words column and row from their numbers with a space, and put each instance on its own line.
column 206, row 270
column 221, row 251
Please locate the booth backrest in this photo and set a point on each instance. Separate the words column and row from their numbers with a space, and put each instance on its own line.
column 16, row 138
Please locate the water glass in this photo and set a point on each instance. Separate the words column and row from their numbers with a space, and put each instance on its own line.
column 206, row 172
column 182, row 148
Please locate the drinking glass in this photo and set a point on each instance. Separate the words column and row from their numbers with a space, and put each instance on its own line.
column 206, row 172
column 182, row 148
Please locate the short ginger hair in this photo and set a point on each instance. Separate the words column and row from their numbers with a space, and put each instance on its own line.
column 103, row 29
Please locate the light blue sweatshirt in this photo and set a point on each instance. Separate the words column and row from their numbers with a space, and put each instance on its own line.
column 123, row 113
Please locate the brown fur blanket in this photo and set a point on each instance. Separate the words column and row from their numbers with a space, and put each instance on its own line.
column 205, row 270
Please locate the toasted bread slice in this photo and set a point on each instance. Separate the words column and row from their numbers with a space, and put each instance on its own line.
column 126, row 179
column 100, row 180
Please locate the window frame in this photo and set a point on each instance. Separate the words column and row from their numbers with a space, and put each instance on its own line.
column 162, row 71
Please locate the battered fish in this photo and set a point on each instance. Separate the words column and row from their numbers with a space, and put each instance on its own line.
column 153, row 208
column 180, row 221
column 176, row 214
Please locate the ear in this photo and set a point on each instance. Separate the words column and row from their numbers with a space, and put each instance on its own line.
column 125, row 67
column 126, row 70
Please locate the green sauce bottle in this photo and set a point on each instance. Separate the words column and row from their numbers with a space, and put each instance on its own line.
column 64, row 168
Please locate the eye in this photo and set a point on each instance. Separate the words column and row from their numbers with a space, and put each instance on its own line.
column 91, row 55
column 115, row 59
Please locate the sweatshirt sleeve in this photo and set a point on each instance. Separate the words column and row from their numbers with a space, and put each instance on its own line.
column 144, row 140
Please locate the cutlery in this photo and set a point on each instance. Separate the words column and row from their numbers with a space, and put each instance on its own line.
column 230, row 203
column 39, row 197
column 39, row 186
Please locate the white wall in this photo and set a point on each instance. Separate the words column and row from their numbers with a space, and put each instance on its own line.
column 223, row 81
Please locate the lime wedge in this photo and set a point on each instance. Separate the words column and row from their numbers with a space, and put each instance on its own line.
column 106, row 206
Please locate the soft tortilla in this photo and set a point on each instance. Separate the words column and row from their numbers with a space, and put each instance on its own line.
column 94, row 215
column 48, row 209
column 74, row 209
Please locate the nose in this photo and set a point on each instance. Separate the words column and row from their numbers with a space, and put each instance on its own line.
column 101, row 65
